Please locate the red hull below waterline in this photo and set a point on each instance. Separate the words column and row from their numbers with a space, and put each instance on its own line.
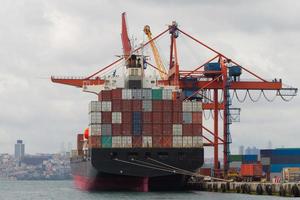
column 139, row 184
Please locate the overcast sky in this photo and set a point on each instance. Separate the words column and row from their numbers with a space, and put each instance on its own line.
column 40, row 38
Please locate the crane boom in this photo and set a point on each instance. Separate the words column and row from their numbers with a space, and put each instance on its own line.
column 157, row 58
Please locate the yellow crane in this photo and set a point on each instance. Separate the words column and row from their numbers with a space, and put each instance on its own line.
column 160, row 66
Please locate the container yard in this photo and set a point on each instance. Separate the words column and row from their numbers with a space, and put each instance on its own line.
column 146, row 132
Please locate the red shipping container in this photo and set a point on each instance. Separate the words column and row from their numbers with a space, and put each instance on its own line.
column 251, row 170
column 137, row 141
column 147, row 117
column 94, row 141
column 167, row 105
column 116, row 105
column 79, row 137
column 167, row 117
column 197, row 129
column 177, row 106
column 105, row 95
column 126, row 105
column 157, row 117
column 187, row 129
column 127, row 117
column 205, row 171
column 157, row 129
column 167, row 141
column 116, row 93
column 157, row 105
column 177, row 118
column 147, row 129
column 167, row 129
column 157, row 141
column 136, row 105
column 106, row 117
column 116, row 129
column 197, row 117
column 126, row 129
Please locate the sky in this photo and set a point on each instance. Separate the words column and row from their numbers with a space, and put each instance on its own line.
column 40, row 38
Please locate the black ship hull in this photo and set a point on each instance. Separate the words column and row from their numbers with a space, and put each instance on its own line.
column 138, row 169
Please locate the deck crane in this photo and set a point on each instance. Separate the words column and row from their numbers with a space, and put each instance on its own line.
column 161, row 68
column 219, row 73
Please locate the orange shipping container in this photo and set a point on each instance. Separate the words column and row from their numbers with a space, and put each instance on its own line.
column 251, row 170
column 116, row 129
column 157, row 141
column 106, row 117
column 157, row 129
column 167, row 141
column 167, row 129
column 177, row 118
column 127, row 117
column 137, row 141
column 147, row 117
column 157, row 117
column 104, row 95
column 94, row 141
column 197, row 129
column 126, row 129
column 187, row 129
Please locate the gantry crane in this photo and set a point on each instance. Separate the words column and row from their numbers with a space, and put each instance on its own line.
column 159, row 64
column 218, row 73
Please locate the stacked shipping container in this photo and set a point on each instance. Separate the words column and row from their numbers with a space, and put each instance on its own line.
column 126, row 118
column 275, row 160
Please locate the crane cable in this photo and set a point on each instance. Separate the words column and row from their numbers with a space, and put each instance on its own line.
column 237, row 97
column 269, row 100
column 284, row 99
column 252, row 99
column 171, row 169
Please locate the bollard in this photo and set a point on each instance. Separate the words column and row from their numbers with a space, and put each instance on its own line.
column 259, row 189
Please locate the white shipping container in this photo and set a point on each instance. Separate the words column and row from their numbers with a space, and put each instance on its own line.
column 235, row 164
column 116, row 117
column 177, row 141
column 95, row 129
column 187, row 141
column 177, row 129
column 126, row 94
column 167, row 94
column 136, row 94
column 126, row 141
column 187, row 106
column 95, row 106
column 106, row 106
column 95, row 118
column 117, row 141
column 147, row 141
column 197, row 106
column 197, row 141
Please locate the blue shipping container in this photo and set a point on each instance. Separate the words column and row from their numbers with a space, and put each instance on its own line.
column 137, row 117
column 249, row 159
column 295, row 151
column 137, row 128
column 279, row 167
column 285, row 159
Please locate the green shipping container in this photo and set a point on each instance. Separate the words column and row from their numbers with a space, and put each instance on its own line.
column 157, row 94
column 106, row 141
column 235, row 158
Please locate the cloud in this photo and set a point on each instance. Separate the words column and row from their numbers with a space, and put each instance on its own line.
column 41, row 38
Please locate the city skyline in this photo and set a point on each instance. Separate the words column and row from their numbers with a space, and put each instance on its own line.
column 40, row 39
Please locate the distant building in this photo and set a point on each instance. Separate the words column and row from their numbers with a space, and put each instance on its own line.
column 252, row 151
column 241, row 150
column 19, row 150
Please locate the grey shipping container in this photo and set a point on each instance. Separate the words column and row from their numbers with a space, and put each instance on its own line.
column 106, row 129
column 146, row 94
column 147, row 105
column 136, row 94
column 187, row 117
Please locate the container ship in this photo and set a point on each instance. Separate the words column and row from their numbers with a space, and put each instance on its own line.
column 142, row 135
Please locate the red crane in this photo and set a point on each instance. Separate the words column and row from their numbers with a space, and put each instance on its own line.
column 218, row 73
